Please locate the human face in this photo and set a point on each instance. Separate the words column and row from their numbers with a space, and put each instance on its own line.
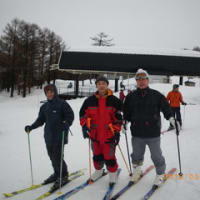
column 102, row 87
column 50, row 94
column 176, row 90
column 142, row 81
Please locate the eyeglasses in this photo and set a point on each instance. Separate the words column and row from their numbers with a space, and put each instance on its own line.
column 141, row 78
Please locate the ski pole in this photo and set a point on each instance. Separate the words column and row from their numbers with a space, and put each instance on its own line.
column 70, row 131
column 124, row 159
column 179, row 156
column 61, row 161
column 127, row 146
column 113, row 131
column 65, row 122
column 29, row 147
column 90, row 167
column 184, row 116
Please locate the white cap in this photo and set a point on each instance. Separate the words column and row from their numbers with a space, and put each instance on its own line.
column 141, row 71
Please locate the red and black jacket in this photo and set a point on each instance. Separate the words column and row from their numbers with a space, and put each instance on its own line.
column 104, row 114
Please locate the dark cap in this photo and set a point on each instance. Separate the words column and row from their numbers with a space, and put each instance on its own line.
column 101, row 78
column 175, row 86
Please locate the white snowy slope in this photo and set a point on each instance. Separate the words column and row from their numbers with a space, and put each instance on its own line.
column 15, row 173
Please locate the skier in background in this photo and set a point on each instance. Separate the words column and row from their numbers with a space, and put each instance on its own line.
column 175, row 98
column 101, row 119
column 57, row 116
column 122, row 95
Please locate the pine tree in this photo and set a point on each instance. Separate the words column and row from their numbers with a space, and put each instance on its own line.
column 102, row 39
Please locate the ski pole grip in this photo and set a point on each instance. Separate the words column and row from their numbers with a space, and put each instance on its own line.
column 111, row 128
column 88, row 122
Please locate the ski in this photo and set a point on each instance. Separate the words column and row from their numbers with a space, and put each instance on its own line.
column 33, row 187
column 155, row 187
column 130, row 184
column 111, row 188
column 78, row 188
column 52, row 190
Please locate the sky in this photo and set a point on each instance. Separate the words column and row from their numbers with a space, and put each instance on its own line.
column 158, row 24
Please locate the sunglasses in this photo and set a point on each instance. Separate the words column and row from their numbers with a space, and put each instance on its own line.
column 141, row 77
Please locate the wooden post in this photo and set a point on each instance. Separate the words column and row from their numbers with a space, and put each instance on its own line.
column 181, row 80
column 116, row 84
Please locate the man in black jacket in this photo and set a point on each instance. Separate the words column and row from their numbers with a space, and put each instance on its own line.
column 142, row 109
column 58, row 117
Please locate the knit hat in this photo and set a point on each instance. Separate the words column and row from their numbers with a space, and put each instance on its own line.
column 175, row 86
column 102, row 78
column 141, row 71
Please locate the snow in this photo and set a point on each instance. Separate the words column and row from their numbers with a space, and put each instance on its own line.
column 15, row 165
column 139, row 50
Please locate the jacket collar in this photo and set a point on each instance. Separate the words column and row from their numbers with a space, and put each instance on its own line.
column 109, row 93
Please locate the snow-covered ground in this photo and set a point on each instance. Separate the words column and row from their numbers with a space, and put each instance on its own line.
column 14, row 155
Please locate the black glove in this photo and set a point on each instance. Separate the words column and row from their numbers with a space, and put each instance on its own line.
column 28, row 129
column 184, row 103
column 115, row 139
column 85, row 131
column 66, row 125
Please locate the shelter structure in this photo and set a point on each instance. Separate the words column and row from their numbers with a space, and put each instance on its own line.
column 121, row 62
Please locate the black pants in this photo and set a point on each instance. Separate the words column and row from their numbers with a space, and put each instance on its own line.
column 177, row 114
column 54, row 152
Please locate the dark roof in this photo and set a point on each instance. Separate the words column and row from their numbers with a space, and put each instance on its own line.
column 129, row 63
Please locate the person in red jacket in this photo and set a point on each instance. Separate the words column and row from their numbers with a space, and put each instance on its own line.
column 101, row 120
column 175, row 98
column 122, row 95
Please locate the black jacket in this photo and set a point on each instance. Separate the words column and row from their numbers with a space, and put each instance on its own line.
column 142, row 108
column 58, row 117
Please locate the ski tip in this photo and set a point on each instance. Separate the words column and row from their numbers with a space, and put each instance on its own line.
column 7, row 194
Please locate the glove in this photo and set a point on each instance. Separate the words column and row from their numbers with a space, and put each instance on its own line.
column 66, row 125
column 115, row 139
column 184, row 103
column 28, row 129
column 173, row 122
column 86, row 131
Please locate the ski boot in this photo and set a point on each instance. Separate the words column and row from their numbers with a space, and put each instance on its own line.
column 137, row 173
column 158, row 180
column 97, row 174
column 112, row 178
column 64, row 180
column 50, row 179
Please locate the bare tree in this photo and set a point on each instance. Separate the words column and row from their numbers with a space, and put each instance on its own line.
column 196, row 48
column 26, row 54
column 9, row 45
column 102, row 39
